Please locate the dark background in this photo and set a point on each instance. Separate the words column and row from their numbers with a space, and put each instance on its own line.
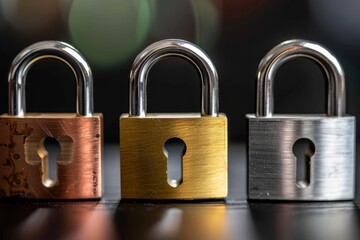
column 236, row 34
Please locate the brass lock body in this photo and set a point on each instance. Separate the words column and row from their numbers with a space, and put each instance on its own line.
column 144, row 170
column 204, row 170
column 24, row 160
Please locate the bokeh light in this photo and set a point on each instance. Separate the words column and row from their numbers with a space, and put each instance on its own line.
column 194, row 20
column 109, row 32
column 172, row 19
column 207, row 19
column 36, row 19
column 64, row 6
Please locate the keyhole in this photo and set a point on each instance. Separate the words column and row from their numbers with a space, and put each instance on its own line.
column 174, row 150
column 303, row 150
column 49, row 149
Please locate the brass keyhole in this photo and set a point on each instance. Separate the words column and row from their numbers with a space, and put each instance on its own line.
column 174, row 150
column 303, row 150
column 49, row 149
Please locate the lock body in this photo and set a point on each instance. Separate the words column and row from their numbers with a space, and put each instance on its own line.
column 23, row 156
column 272, row 163
column 144, row 164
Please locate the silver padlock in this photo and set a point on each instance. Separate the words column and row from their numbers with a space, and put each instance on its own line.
column 272, row 166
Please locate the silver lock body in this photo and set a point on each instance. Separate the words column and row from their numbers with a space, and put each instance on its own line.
column 272, row 164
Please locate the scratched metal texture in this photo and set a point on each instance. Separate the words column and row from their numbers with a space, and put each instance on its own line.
column 272, row 164
column 23, row 159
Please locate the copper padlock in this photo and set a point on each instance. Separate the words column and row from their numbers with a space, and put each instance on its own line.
column 23, row 157
column 143, row 136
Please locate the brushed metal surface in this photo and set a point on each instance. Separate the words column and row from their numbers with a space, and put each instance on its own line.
column 78, row 164
column 144, row 164
column 272, row 164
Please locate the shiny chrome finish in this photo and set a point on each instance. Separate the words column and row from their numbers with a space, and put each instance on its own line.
column 271, row 161
column 173, row 47
column 142, row 135
column 50, row 49
column 23, row 157
column 300, row 48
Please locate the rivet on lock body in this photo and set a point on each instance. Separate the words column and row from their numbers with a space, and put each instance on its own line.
column 273, row 138
column 24, row 163
column 143, row 136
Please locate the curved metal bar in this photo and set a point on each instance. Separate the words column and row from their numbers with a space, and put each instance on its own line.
column 300, row 48
column 173, row 47
column 50, row 49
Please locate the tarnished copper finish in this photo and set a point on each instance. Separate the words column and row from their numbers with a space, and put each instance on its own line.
column 23, row 158
column 144, row 164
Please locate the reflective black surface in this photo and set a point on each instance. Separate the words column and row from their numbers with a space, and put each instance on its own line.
column 111, row 218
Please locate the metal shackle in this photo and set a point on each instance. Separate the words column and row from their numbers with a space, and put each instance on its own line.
column 300, row 48
column 57, row 50
column 180, row 48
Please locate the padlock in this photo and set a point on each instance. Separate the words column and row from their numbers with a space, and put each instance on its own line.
column 143, row 159
column 24, row 164
column 327, row 172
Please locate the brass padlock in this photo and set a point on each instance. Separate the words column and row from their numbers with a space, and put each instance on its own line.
column 23, row 157
column 142, row 136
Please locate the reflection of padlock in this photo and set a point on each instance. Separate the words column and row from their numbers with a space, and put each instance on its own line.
column 330, row 159
column 142, row 135
column 24, row 160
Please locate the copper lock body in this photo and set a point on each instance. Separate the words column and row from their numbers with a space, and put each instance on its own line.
column 24, row 161
column 143, row 159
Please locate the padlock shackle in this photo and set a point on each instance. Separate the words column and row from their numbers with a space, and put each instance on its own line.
column 50, row 49
column 300, row 48
column 180, row 48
